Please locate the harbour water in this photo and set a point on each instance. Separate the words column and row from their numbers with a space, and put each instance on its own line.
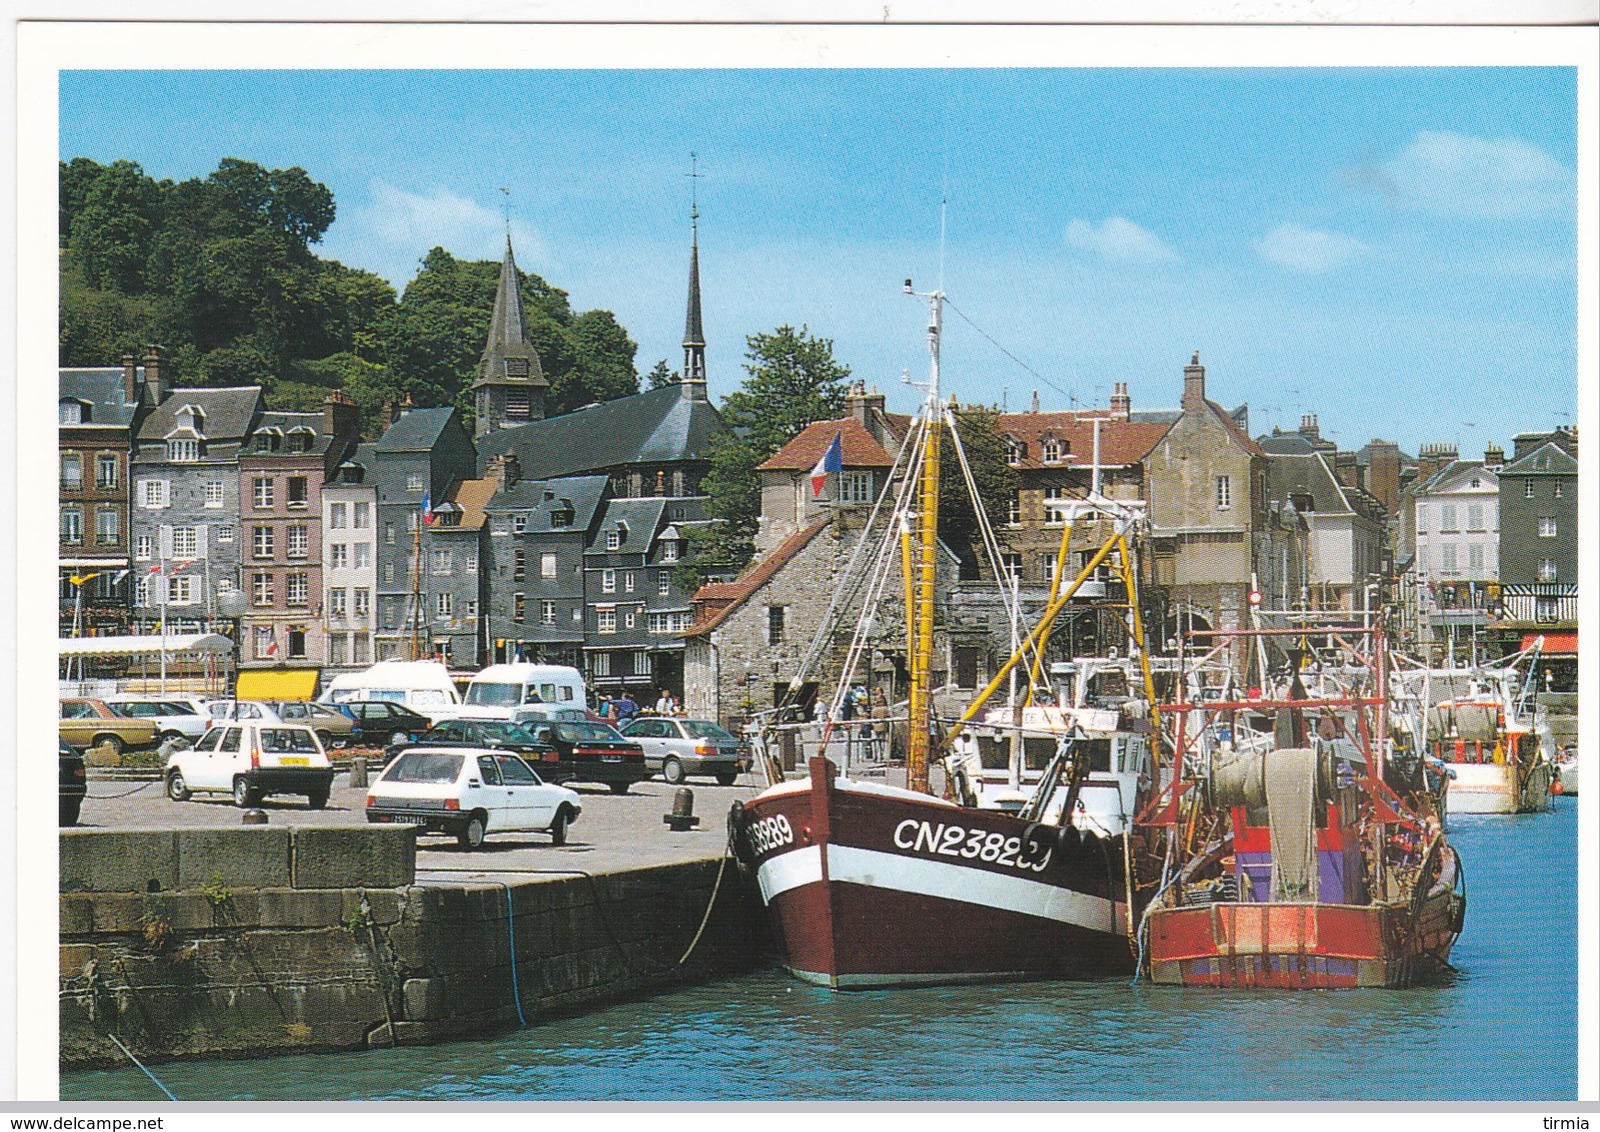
column 1503, row 1028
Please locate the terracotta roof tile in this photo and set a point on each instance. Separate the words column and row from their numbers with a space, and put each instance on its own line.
column 472, row 496
column 1233, row 428
column 721, row 598
column 803, row 452
column 1122, row 442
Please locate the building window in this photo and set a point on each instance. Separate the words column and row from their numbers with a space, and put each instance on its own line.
column 519, row 606
column 336, row 648
column 613, row 540
column 601, row 663
column 224, row 534
column 180, row 590
column 71, row 525
column 547, row 612
column 1475, row 559
column 519, row 564
column 629, row 619
column 143, row 548
column 1547, row 527
column 1055, row 515
column 299, row 496
column 606, row 621
column 1015, row 451
column 261, row 588
column 1474, row 516
column 1050, row 450
column 261, row 542
column 547, row 565
column 363, row 602
column 1447, row 558
column 1527, row 489
column 107, row 471
column 663, row 583
column 261, row 491
column 154, row 494
column 519, row 524
column 1012, row 564
column 472, row 609
column 1014, row 509
column 185, row 543
column 266, row 642
column 677, row 484
column 411, row 520
column 388, row 534
column 444, row 564
column 414, row 482
column 338, row 556
column 775, row 624
column 561, row 518
column 72, row 473
column 70, row 412
column 336, row 604
column 442, row 604
column 855, row 487
column 669, row 550
column 299, row 542
column 1447, row 518
column 183, row 451
column 1558, row 489
column 472, row 562
column 388, row 573
column 363, row 556
column 608, row 581
column 1547, row 569
column 298, row 588
column 108, row 527
column 1224, row 492
column 141, row 590
column 1047, row 566
column 627, row 581
column 363, row 516
column 336, row 516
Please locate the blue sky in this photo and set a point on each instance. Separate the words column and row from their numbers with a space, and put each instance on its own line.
column 1392, row 249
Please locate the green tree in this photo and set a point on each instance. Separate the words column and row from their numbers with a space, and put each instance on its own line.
column 996, row 479
column 791, row 380
column 661, row 375
column 118, row 212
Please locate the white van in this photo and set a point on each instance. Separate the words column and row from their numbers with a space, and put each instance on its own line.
column 424, row 686
column 500, row 688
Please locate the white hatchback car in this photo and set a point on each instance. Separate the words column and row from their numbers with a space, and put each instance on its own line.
column 251, row 760
column 470, row 792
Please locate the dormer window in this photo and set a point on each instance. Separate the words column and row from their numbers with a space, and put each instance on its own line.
column 561, row 517
column 299, row 440
column 269, row 440
column 1050, row 450
column 183, row 450
column 613, row 540
column 1016, row 451
column 71, row 412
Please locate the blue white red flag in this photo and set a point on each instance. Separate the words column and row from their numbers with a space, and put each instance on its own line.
column 427, row 506
column 832, row 461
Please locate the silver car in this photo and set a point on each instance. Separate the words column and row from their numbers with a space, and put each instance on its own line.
column 681, row 747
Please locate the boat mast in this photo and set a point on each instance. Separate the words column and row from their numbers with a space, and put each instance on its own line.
column 925, row 545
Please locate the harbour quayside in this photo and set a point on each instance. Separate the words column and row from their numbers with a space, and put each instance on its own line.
column 871, row 885
column 1311, row 853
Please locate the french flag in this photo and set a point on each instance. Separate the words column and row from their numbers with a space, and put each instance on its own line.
column 832, row 461
column 427, row 507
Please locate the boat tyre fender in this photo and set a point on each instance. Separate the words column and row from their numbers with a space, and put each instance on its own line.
column 736, row 839
column 1036, row 838
column 1069, row 839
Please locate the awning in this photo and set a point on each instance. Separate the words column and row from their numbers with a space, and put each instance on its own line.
column 152, row 645
column 277, row 683
column 1555, row 644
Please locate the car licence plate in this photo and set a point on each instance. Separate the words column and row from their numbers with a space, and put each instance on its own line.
column 611, row 758
column 295, row 760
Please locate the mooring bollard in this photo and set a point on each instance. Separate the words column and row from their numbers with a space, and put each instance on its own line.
column 254, row 817
column 358, row 771
column 682, row 815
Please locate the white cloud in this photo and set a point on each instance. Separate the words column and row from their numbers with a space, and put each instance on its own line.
column 398, row 227
column 1307, row 249
column 1119, row 241
column 1451, row 174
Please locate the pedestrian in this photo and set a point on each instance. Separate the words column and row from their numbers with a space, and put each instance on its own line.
column 880, row 722
column 627, row 708
column 664, row 703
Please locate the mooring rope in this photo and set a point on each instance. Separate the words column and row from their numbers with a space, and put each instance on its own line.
column 511, row 935
column 129, row 1054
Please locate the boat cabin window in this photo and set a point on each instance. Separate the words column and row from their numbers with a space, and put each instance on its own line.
column 1099, row 752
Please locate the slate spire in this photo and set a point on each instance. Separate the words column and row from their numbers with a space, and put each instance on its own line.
column 694, row 336
column 509, row 389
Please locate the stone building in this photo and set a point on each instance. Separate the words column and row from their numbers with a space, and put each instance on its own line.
column 282, row 470
column 788, row 503
column 350, row 556
column 456, row 582
column 1538, row 497
column 1346, row 528
column 98, row 412
column 510, row 387
column 185, row 508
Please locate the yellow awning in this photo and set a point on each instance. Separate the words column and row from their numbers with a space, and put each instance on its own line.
column 277, row 684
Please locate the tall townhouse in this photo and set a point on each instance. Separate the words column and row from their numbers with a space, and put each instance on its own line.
column 349, row 562
column 281, row 473
column 1346, row 526
column 97, row 413
column 185, row 502
column 456, row 578
column 421, row 454
column 1538, row 493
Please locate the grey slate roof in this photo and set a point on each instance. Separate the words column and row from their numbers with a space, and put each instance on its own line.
column 102, row 389
column 1285, row 444
column 656, row 427
column 356, row 468
column 416, row 431
column 584, row 493
column 289, row 422
column 1549, row 459
column 1294, row 473
column 642, row 518
column 1449, row 472
column 507, row 341
column 229, row 413
column 1239, row 413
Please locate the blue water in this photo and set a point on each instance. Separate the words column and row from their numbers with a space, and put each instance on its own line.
column 1503, row 1028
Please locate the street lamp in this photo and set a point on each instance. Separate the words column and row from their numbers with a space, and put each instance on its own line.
column 232, row 606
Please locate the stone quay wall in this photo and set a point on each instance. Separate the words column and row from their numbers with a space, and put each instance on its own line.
column 255, row 941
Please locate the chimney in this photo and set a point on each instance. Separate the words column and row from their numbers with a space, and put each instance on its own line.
column 1346, row 470
column 340, row 417
column 1034, row 407
column 407, row 404
column 1308, row 427
column 866, row 408
column 1194, row 385
column 1121, row 403
column 1432, row 457
column 1494, row 456
column 130, row 378
column 512, row 469
column 154, row 379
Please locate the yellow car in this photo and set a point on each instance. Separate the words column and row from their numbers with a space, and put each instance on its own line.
column 90, row 723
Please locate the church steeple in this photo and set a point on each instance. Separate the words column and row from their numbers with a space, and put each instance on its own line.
column 694, row 336
column 509, row 389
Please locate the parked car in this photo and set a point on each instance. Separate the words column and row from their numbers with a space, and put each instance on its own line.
column 174, row 719
column 224, row 711
column 470, row 793
column 681, row 747
column 379, row 723
column 192, row 704
column 535, row 713
column 333, row 727
column 251, row 760
column 74, row 783
column 91, row 723
column 589, row 752
column 500, row 734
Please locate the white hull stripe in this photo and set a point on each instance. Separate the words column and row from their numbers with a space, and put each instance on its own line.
column 903, row 980
column 941, row 879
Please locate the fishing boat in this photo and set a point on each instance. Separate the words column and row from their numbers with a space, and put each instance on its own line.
column 869, row 884
column 1312, row 856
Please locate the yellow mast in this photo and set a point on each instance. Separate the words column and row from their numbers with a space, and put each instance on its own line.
column 920, row 613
